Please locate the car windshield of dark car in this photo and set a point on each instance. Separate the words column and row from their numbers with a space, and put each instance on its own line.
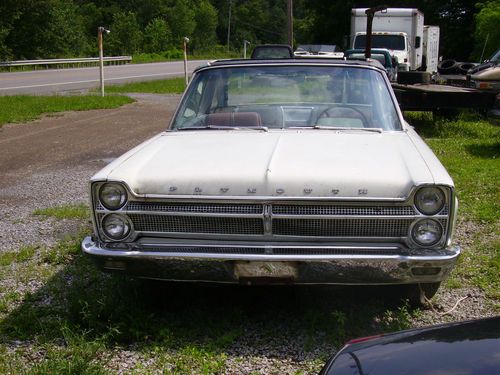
column 392, row 42
column 376, row 56
column 288, row 97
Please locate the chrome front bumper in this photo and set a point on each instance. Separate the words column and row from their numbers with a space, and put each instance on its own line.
column 276, row 263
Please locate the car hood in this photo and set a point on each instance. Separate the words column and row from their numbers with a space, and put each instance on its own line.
column 285, row 163
column 488, row 74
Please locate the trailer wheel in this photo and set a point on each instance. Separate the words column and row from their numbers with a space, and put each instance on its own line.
column 448, row 67
column 463, row 68
column 410, row 78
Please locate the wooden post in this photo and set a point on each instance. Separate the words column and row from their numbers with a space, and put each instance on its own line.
column 185, row 42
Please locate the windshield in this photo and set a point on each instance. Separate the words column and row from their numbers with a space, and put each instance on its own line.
column 394, row 42
column 361, row 56
column 496, row 57
column 288, row 96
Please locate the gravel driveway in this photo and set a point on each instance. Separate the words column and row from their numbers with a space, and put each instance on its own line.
column 48, row 162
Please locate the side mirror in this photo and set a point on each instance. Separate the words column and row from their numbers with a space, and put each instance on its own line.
column 417, row 42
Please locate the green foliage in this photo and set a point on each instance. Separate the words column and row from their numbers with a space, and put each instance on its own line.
column 157, row 36
column 49, row 29
column 181, row 20
column 125, row 37
column 204, row 34
column 487, row 26
column 66, row 28
column 20, row 108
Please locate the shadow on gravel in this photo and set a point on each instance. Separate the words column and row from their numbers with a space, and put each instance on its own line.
column 296, row 323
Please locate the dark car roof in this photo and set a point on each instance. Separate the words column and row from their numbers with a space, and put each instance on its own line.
column 284, row 62
column 471, row 347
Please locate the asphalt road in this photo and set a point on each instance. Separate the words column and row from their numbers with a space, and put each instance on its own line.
column 58, row 80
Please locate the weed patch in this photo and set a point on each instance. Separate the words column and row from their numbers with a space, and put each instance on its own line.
column 68, row 211
column 165, row 86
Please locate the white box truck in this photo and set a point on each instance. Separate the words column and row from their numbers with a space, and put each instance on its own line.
column 400, row 30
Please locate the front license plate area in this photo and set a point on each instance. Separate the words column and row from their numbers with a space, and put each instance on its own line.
column 266, row 272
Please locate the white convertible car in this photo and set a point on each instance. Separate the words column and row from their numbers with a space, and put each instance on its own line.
column 280, row 171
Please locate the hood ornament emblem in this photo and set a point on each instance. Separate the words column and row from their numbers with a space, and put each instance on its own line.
column 198, row 190
column 224, row 190
column 362, row 191
column 251, row 190
column 280, row 191
column 335, row 191
column 308, row 191
column 172, row 188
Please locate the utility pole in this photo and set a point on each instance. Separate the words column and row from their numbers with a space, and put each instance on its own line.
column 229, row 26
column 289, row 11
column 370, row 13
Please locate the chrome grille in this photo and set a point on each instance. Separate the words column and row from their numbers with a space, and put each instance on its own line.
column 195, row 224
column 209, row 208
column 342, row 227
column 281, row 209
column 266, row 220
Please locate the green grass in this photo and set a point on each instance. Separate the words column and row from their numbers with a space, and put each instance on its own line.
column 21, row 255
column 165, row 86
column 68, row 211
column 469, row 147
column 21, row 108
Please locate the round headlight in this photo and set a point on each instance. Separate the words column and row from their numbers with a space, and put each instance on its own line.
column 429, row 200
column 112, row 196
column 427, row 232
column 116, row 227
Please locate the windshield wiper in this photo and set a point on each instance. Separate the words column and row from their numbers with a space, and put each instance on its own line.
column 218, row 127
column 322, row 127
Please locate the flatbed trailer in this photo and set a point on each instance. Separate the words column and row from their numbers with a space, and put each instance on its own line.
column 432, row 97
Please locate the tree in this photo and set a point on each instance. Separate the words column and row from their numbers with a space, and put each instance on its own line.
column 181, row 20
column 47, row 29
column 157, row 36
column 206, row 19
column 125, row 36
column 487, row 28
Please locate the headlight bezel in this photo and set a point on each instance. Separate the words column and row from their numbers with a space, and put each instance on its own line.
column 125, row 219
column 421, row 190
column 118, row 186
column 420, row 221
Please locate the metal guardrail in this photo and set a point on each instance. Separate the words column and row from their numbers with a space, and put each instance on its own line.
column 82, row 60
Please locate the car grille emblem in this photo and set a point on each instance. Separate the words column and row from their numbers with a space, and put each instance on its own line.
column 335, row 191
column 251, row 190
column 362, row 191
column 224, row 190
column 198, row 190
column 280, row 191
column 172, row 188
column 268, row 226
column 308, row 191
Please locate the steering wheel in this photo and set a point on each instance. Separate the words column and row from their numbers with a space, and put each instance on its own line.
column 344, row 111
